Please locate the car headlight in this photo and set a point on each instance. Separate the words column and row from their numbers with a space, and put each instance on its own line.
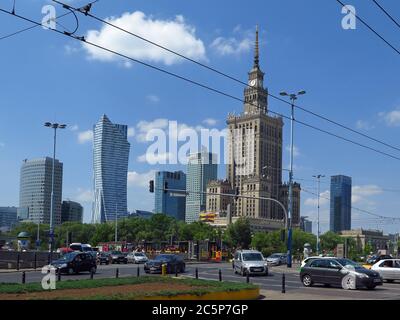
column 64, row 265
column 362, row 275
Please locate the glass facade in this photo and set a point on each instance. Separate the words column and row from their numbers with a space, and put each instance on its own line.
column 340, row 205
column 165, row 202
column 8, row 218
column 71, row 211
column 35, row 189
column 110, row 163
column 201, row 169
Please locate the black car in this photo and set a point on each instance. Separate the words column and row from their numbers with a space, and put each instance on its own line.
column 118, row 257
column 339, row 272
column 104, row 258
column 375, row 259
column 174, row 264
column 75, row 262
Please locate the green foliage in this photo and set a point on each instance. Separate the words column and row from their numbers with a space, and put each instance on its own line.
column 238, row 234
column 330, row 240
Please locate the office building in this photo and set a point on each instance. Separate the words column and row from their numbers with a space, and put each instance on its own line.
column 110, row 163
column 305, row 224
column 35, row 190
column 217, row 203
column 8, row 218
column 340, row 203
column 201, row 169
column 168, row 203
column 71, row 212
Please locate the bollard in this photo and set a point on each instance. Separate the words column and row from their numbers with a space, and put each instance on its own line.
column 220, row 275
column 283, row 283
column 164, row 269
column 35, row 262
column 59, row 275
column 197, row 273
column 23, row 277
column 176, row 271
column 117, row 273
column 18, row 258
column 248, row 277
column 138, row 272
column 91, row 274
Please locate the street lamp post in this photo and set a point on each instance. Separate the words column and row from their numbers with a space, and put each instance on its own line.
column 54, row 126
column 319, row 176
column 116, row 222
column 293, row 98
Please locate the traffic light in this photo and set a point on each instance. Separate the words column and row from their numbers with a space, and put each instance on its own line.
column 283, row 235
column 151, row 187
column 165, row 187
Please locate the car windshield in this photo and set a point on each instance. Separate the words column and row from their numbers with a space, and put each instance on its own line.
column 116, row 252
column 164, row 258
column 252, row 257
column 68, row 257
column 87, row 249
column 275, row 256
column 349, row 264
column 139, row 255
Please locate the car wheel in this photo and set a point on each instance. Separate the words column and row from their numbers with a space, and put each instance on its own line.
column 70, row 271
column 389, row 280
column 307, row 280
column 349, row 282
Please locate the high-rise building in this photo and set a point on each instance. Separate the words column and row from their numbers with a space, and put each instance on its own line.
column 110, row 162
column 284, row 199
column 35, row 189
column 255, row 153
column 340, row 206
column 168, row 203
column 8, row 218
column 201, row 169
column 215, row 202
column 71, row 212
column 305, row 225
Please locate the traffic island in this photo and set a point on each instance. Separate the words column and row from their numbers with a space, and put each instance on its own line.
column 144, row 288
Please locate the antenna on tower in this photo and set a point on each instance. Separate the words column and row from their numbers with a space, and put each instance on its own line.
column 257, row 51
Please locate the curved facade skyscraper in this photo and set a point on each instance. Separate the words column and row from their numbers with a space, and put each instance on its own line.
column 110, row 163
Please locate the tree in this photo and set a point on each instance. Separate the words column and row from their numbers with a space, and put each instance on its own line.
column 238, row 234
column 330, row 240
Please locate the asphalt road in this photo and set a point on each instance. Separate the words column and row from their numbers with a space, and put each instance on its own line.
column 272, row 283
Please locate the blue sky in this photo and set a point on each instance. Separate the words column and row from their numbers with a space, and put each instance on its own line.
column 350, row 76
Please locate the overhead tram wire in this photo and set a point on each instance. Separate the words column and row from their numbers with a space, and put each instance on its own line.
column 371, row 29
column 82, row 39
column 357, row 209
column 227, row 75
column 387, row 13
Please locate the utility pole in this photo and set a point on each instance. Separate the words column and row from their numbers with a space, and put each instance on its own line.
column 319, row 176
column 54, row 126
column 293, row 98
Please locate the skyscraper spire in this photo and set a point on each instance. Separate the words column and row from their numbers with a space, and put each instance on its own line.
column 256, row 52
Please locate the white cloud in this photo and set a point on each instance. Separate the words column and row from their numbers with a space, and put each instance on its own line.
column 296, row 151
column 392, row 118
column 364, row 125
column 145, row 126
column 174, row 34
column 359, row 194
column 136, row 179
column 75, row 127
column 231, row 46
column 210, row 122
column 85, row 136
column 153, row 98
column 131, row 132
column 84, row 195
column 323, row 199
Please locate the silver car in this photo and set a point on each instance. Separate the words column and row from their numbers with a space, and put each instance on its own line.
column 277, row 259
column 250, row 262
column 137, row 258
column 388, row 269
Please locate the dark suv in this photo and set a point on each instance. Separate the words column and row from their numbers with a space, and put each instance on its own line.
column 75, row 262
column 174, row 263
column 339, row 272
column 118, row 257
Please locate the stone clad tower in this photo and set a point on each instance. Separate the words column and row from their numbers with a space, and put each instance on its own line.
column 255, row 150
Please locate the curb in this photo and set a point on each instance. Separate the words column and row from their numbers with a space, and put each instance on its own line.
column 248, row 294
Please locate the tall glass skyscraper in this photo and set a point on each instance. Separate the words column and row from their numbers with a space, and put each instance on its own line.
column 110, row 163
column 201, row 169
column 35, row 189
column 164, row 202
column 340, row 206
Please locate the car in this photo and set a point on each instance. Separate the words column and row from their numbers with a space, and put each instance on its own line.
column 137, row 257
column 306, row 260
column 117, row 257
column 173, row 262
column 250, row 262
column 277, row 259
column 375, row 258
column 104, row 258
column 339, row 272
column 389, row 269
column 75, row 263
